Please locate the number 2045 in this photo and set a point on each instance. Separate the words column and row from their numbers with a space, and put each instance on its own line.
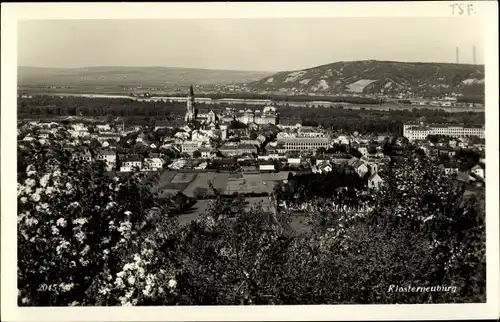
column 47, row 287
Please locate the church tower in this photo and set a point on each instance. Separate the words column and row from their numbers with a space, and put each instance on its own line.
column 190, row 108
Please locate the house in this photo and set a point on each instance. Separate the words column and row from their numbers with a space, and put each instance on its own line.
column 375, row 181
column 359, row 166
column 131, row 163
column 237, row 149
column 324, row 167
column 160, row 125
column 266, row 167
column 108, row 137
column 341, row 158
column 342, row 139
column 190, row 146
column 447, row 151
column 449, row 168
column 153, row 163
column 252, row 142
column 82, row 155
column 140, row 138
column 363, row 150
column 103, row 127
column 206, row 152
column 109, row 157
column 478, row 171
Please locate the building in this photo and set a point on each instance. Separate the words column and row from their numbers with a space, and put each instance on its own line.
column 322, row 167
column 303, row 144
column 478, row 171
column 420, row 131
column 359, row 166
column 109, row 157
column 223, row 131
column 107, row 137
column 131, row 163
column 191, row 111
column 206, row 152
column 103, row 127
column 153, row 164
column 190, row 146
column 82, row 155
column 375, row 181
column 266, row 167
column 309, row 133
column 237, row 149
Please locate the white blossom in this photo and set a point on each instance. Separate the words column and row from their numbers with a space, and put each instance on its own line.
column 62, row 246
column 74, row 204
column 80, row 221
column 172, row 283
column 35, row 197
column 55, row 230
column 80, row 236
column 61, row 222
column 49, row 190
column 119, row 283
column 31, row 222
column 29, row 182
column 44, row 180
column 85, row 250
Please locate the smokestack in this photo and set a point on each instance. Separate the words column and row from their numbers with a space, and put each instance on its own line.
column 474, row 54
column 458, row 55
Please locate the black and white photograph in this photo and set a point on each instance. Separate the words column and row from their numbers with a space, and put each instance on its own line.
column 259, row 161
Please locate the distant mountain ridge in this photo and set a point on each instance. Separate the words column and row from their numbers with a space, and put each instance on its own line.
column 371, row 77
column 128, row 76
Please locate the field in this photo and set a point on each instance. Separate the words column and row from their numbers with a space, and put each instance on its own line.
column 171, row 182
column 183, row 178
column 226, row 183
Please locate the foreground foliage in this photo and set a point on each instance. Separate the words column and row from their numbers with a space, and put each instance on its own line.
column 96, row 239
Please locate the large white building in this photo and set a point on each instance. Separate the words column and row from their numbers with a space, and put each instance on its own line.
column 420, row 131
column 190, row 146
column 303, row 144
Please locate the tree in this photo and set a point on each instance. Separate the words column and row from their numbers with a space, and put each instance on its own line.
column 197, row 154
column 253, row 135
column 355, row 153
column 321, row 151
column 74, row 218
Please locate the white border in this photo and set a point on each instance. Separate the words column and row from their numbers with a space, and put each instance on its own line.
column 11, row 13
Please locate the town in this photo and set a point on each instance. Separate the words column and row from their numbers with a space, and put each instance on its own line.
column 246, row 152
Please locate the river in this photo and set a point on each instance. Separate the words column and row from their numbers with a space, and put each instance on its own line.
column 311, row 104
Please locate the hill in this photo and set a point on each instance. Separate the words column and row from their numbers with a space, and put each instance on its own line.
column 158, row 77
column 378, row 77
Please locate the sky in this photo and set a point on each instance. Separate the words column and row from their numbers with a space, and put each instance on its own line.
column 246, row 44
